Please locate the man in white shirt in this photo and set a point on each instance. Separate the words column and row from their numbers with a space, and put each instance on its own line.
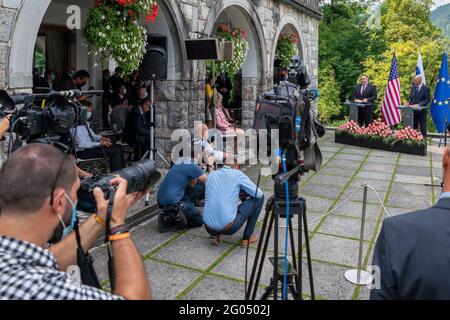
column 90, row 145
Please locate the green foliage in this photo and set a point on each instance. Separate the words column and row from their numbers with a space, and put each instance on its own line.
column 330, row 107
column 113, row 32
column 241, row 48
column 39, row 59
column 404, row 38
column 350, row 47
column 346, row 41
column 286, row 49
column 441, row 19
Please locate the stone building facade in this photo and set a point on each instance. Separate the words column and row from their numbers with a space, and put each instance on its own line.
column 180, row 99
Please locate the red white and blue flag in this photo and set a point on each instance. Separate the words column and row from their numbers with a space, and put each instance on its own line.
column 392, row 99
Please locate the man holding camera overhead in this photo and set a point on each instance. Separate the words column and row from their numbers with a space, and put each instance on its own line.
column 38, row 197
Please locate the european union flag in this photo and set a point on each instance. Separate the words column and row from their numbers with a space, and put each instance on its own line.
column 441, row 103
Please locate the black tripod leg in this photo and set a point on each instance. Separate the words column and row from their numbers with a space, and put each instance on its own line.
column 258, row 252
column 263, row 257
column 294, row 255
column 308, row 254
column 275, row 269
column 268, row 291
column 299, row 261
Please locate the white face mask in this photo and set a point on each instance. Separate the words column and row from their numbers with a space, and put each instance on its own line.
column 89, row 115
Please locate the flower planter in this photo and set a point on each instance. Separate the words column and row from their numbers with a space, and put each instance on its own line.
column 400, row 147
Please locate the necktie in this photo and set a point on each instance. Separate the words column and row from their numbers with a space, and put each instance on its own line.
column 363, row 88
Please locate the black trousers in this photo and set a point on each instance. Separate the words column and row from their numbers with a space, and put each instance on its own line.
column 114, row 153
column 105, row 110
column 420, row 118
column 365, row 115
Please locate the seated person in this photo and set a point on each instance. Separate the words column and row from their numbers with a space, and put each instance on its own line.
column 119, row 115
column 412, row 251
column 227, row 128
column 212, row 156
column 178, row 193
column 136, row 132
column 223, row 215
column 90, row 145
column 119, row 98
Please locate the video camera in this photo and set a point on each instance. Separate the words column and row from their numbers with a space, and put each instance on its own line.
column 57, row 115
column 139, row 177
column 287, row 108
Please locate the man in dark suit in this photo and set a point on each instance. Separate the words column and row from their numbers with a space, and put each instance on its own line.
column 136, row 132
column 420, row 96
column 365, row 93
column 106, row 101
column 224, row 86
column 412, row 251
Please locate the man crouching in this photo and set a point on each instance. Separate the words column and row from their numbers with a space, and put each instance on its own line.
column 223, row 215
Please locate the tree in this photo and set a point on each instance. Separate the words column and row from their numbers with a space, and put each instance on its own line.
column 346, row 41
column 407, row 27
column 330, row 107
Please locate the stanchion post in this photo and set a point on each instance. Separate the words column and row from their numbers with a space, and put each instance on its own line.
column 360, row 277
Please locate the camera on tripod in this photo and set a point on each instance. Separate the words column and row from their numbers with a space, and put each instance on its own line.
column 139, row 177
column 57, row 115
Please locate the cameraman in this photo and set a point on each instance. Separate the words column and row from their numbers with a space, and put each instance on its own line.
column 38, row 197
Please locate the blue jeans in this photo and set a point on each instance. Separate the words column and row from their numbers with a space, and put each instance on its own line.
column 248, row 211
column 193, row 215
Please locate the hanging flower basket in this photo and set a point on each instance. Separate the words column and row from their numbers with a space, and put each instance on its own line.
column 241, row 48
column 112, row 30
column 286, row 48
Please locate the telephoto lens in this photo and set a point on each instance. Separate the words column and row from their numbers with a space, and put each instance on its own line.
column 139, row 177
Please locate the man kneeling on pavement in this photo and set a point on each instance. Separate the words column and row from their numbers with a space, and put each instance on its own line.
column 178, row 194
column 223, row 215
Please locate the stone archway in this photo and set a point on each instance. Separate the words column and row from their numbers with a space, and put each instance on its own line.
column 242, row 14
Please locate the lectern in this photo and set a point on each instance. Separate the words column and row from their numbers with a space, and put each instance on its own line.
column 354, row 109
column 408, row 114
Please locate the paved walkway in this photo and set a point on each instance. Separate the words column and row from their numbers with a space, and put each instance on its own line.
column 185, row 266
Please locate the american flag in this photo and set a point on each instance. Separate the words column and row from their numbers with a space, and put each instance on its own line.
column 392, row 99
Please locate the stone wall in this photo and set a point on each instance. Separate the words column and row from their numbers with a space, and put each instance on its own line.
column 181, row 102
column 8, row 12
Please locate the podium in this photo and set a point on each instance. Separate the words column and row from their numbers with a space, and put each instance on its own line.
column 354, row 109
column 408, row 114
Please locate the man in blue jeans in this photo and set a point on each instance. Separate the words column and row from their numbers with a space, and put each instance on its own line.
column 223, row 215
column 177, row 196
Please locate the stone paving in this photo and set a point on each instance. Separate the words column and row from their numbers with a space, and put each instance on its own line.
column 183, row 265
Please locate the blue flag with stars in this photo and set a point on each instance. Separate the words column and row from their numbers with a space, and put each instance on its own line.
column 440, row 106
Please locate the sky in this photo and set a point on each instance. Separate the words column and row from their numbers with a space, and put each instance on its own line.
column 438, row 3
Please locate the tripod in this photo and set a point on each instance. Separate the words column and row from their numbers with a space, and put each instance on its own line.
column 153, row 151
column 275, row 209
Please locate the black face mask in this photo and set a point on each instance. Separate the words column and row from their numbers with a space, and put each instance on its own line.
column 83, row 84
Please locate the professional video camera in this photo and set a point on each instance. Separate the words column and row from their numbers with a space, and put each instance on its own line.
column 57, row 115
column 287, row 108
column 139, row 177
column 298, row 74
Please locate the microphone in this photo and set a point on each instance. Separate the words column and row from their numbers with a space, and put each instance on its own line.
column 69, row 93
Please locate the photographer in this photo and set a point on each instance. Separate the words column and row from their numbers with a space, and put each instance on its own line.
column 38, row 195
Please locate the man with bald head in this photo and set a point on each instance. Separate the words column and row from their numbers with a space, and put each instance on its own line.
column 420, row 96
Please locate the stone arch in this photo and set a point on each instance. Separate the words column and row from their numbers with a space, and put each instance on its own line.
column 246, row 13
column 170, row 22
column 292, row 21
column 28, row 22
column 23, row 39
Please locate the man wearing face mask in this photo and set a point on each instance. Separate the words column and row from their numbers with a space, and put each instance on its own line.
column 89, row 145
column 38, row 195
column 78, row 81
